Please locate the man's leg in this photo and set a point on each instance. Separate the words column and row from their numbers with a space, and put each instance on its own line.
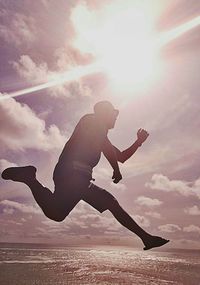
column 124, row 219
column 102, row 200
column 47, row 201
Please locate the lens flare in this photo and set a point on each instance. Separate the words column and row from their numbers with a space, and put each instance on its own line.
column 111, row 61
column 173, row 34
column 63, row 78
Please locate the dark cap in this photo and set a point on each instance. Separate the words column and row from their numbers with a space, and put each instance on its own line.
column 104, row 107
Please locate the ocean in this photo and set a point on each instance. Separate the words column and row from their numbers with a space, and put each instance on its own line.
column 37, row 265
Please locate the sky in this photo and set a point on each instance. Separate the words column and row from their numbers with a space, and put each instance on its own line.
column 58, row 58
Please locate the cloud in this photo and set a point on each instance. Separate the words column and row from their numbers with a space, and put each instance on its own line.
column 84, row 219
column 162, row 183
column 8, row 211
column 29, row 70
column 119, row 186
column 153, row 215
column 38, row 73
column 17, row 28
column 5, row 164
column 68, row 57
column 193, row 211
column 141, row 220
column 102, row 173
column 21, row 128
column 192, row 229
column 169, row 228
column 88, row 218
column 20, row 207
column 182, row 104
column 149, row 202
column 39, row 47
column 151, row 161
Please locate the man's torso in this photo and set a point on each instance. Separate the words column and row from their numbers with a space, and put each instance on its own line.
column 84, row 147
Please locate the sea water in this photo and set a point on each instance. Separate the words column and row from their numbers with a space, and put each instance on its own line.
column 33, row 265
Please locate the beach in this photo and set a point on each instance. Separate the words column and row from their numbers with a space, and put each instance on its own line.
column 39, row 265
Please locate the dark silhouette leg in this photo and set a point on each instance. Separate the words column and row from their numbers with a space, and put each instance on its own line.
column 124, row 219
column 47, row 201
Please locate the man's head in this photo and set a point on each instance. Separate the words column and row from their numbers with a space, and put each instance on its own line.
column 106, row 113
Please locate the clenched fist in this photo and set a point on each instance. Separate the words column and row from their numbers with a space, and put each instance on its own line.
column 116, row 176
column 142, row 135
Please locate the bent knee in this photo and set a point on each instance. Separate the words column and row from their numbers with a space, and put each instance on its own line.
column 57, row 217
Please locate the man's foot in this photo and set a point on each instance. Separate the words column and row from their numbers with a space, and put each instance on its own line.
column 20, row 174
column 154, row 241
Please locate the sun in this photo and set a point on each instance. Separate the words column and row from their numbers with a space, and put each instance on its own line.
column 122, row 39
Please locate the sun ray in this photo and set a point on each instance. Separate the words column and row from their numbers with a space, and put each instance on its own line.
column 63, row 78
column 173, row 34
column 79, row 72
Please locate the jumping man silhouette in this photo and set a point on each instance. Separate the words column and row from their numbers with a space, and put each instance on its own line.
column 73, row 173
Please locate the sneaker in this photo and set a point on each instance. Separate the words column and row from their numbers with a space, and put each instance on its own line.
column 155, row 241
column 20, row 174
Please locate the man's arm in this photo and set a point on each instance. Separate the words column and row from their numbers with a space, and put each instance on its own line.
column 111, row 156
column 122, row 156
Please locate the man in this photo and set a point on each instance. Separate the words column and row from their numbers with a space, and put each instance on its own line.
column 73, row 172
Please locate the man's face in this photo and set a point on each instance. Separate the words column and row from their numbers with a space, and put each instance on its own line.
column 111, row 118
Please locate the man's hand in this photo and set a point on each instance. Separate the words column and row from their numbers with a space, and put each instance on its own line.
column 142, row 135
column 116, row 176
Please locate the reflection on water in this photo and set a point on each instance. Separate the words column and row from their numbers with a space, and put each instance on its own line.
column 28, row 266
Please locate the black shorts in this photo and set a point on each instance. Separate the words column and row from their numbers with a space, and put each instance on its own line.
column 74, row 187
column 99, row 198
